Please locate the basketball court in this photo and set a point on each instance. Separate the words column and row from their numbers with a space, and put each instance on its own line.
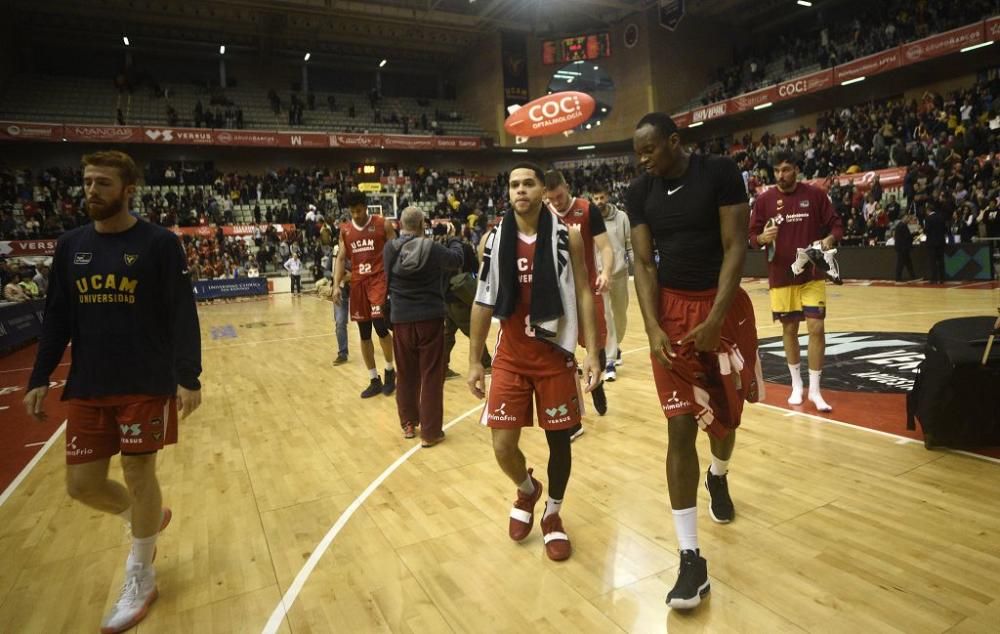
column 299, row 507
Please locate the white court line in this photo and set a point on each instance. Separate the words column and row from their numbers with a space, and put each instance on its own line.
column 290, row 596
column 35, row 444
column 288, row 599
column 31, row 465
column 279, row 613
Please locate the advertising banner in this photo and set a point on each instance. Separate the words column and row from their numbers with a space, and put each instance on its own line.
column 20, row 323
column 82, row 133
column 20, row 248
column 20, row 131
column 514, row 58
column 869, row 65
column 943, row 43
column 235, row 287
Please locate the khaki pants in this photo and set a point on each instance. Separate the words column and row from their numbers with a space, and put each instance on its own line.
column 616, row 314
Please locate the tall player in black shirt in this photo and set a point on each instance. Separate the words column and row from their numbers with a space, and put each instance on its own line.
column 700, row 324
column 120, row 290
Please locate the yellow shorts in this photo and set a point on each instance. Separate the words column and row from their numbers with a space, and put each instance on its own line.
column 800, row 301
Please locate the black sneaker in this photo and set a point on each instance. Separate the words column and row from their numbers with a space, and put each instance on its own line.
column 374, row 388
column 721, row 509
column 390, row 382
column 340, row 360
column 692, row 582
column 450, row 374
column 600, row 400
column 575, row 432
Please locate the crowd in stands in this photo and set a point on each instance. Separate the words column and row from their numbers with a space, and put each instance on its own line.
column 845, row 32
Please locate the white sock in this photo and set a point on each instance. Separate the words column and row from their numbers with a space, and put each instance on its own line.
column 686, row 526
column 389, row 367
column 814, row 393
column 527, row 487
column 719, row 467
column 814, row 379
column 552, row 506
column 126, row 515
column 142, row 550
column 796, row 396
column 373, row 373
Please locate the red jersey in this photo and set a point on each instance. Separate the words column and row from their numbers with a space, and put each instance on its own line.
column 804, row 216
column 363, row 246
column 517, row 348
column 587, row 218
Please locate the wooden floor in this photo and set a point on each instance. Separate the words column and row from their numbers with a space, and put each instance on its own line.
column 837, row 530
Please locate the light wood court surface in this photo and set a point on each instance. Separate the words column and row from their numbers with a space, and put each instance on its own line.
column 837, row 529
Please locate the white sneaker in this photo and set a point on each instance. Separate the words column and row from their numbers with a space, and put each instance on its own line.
column 609, row 373
column 138, row 593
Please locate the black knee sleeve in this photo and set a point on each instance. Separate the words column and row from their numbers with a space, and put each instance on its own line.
column 365, row 328
column 380, row 328
column 560, row 462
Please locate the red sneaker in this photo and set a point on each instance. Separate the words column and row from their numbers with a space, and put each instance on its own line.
column 522, row 515
column 557, row 545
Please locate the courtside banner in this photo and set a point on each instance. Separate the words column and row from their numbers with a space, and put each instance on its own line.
column 20, row 323
column 22, row 131
column 234, row 287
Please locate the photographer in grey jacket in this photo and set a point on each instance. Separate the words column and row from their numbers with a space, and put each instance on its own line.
column 417, row 268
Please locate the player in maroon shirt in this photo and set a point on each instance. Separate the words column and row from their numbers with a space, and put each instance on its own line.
column 786, row 218
column 362, row 240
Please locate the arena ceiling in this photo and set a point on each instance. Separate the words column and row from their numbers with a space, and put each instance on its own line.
column 422, row 32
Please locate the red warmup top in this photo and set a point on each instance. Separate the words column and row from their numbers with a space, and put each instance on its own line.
column 517, row 348
column 804, row 215
column 364, row 246
column 587, row 217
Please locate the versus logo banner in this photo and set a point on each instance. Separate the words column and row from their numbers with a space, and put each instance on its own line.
column 882, row 362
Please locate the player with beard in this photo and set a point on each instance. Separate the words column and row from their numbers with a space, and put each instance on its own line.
column 120, row 291
column 700, row 323
column 583, row 217
column 616, row 309
column 786, row 218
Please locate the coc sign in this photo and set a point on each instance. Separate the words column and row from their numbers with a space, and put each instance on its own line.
column 550, row 114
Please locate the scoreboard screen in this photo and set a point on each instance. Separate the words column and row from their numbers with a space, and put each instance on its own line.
column 576, row 48
column 370, row 172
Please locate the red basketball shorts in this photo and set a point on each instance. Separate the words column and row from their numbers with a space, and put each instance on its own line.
column 685, row 388
column 98, row 428
column 367, row 297
column 557, row 399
